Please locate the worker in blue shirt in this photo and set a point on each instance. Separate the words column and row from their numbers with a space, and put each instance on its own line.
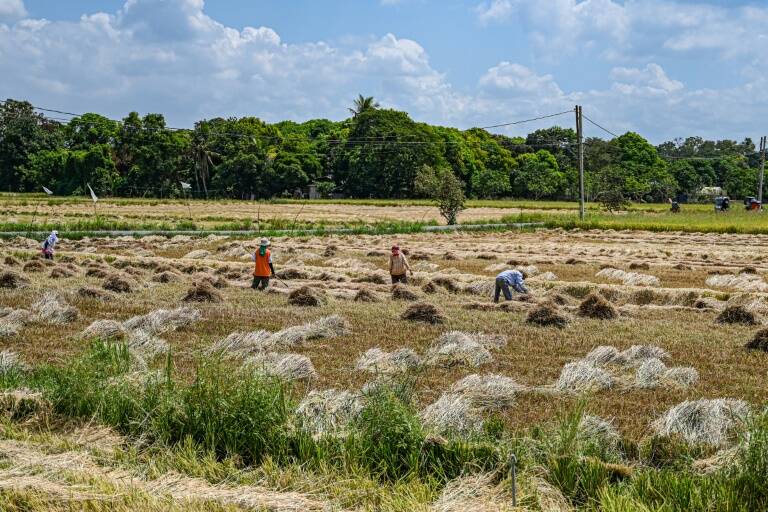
column 514, row 278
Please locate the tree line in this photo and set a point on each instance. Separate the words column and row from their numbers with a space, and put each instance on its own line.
column 376, row 153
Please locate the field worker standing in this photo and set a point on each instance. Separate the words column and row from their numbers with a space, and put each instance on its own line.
column 263, row 268
column 398, row 266
column 49, row 245
column 513, row 278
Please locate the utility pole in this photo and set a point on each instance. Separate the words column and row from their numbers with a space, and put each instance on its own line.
column 763, row 141
column 580, row 138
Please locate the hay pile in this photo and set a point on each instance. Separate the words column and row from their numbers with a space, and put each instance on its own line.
column 429, row 287
column 163, row 320
column 479, row 492
column 711, row 422
column 446, row 282
column 629, row 278
column 581, row 376
column 460, row 348
column 452, row 414
column 197, row 255
column 328, row 412
column 12, row 321
column 736, row 315
column 546, row 315
column 742, row 282
column 330, row 251
column 600, row 431
column 289, row 273
column 483, row 288
column 306, row 297
column 166, row 277
column 373, row 278
column 488, row 391
column 287, row 367
column 759, row 341
column 652, row 373
column 239, row 344
column 10, row 362
column 118, row 283
column 105, row 330
column 595, row 306
column 638, row 265
column 34, row 266
column 98, row 272
column 52, row 309
column 89, row 292
column 202, row 291
column 377, row 361
column 401, row 292
column 11, row 261
column 423, row 312
column 13, row 280
column 366, row 295
column 61, row 272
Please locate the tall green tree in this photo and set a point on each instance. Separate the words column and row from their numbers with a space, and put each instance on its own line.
column 23, row 132
column 363, row 104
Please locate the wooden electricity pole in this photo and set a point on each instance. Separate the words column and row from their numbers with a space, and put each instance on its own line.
column 580, row 138
column 763, row 141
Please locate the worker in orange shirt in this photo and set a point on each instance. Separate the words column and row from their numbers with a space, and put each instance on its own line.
column 263, row 268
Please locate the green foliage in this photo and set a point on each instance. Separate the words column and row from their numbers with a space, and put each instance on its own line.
column 444, row 188
column 538, row 175
column 376, row 153
column 389, row 435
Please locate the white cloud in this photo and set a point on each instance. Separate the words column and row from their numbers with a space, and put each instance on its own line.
column 12, row 10
column 494, row 11
column 171, row 57
column 651, row 79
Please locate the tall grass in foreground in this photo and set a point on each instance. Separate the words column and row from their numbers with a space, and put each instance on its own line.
column 237, row 414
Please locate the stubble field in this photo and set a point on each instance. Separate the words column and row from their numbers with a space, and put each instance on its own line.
column 666, row 291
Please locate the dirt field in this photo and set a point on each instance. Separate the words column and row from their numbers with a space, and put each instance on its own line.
column 677, row 313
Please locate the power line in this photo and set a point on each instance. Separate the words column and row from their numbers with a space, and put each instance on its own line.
column 601, row 127
column 525, row 120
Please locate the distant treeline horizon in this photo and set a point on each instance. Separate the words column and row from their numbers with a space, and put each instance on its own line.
column 375, row 153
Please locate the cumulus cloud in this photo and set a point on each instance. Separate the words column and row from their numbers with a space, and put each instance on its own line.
column 171, row 57
column 494, row 11
column 12, row 10
column 652, row 79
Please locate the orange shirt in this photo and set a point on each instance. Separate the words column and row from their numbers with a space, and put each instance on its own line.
column 261, row 269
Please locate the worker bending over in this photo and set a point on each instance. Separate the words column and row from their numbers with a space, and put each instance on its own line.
column 263, row 268
column 49, row 244
column 514, row 278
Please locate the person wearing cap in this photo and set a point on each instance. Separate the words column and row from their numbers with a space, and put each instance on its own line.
column 512, row 277
column 263, row 268
column 398, row 266
column 49, row 245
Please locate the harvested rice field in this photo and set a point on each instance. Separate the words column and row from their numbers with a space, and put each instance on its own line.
column 634, row 332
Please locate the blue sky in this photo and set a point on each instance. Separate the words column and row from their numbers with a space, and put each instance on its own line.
column 663, row 68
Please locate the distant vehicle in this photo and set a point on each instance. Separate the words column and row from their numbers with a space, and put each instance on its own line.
column 722, row 203
column 751, row 203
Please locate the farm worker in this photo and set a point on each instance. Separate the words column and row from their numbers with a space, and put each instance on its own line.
column 263, row 268
column 398, row 266
column 514, row 278
column 49, row 245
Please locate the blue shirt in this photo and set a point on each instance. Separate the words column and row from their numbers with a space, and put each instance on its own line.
column 514, row 279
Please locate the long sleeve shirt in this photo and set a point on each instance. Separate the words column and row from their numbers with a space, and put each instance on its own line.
column 398, row 265
column 513, row 278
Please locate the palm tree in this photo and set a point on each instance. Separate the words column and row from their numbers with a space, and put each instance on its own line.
column 363, row 104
